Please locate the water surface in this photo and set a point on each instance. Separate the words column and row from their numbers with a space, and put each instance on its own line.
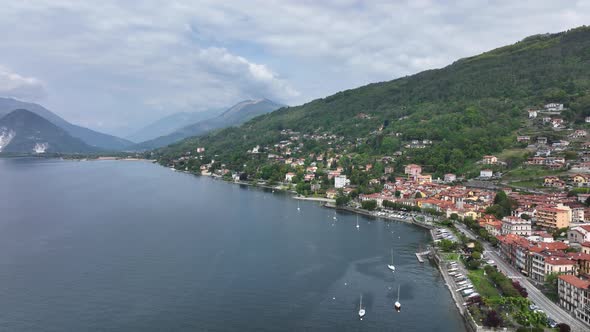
column 131, row 246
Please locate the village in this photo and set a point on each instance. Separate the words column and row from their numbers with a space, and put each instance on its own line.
column 544, row 234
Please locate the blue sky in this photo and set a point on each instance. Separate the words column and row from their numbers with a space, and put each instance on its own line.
column 117, row 65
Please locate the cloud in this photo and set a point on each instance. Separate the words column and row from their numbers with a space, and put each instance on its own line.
column 21, row 87
column 138, row 60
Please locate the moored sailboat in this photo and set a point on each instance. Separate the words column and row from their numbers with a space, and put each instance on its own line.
column 391, row 266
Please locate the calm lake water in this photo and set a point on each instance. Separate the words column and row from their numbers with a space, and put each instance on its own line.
column 132, row 246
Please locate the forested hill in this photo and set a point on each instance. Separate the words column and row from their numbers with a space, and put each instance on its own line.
column 467, row 109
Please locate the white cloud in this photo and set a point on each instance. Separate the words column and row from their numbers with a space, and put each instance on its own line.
column 18, row 86
column 153, row 57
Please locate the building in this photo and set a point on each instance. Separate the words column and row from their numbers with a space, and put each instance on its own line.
column 200, row 150
column 523, row 138
column 340, row 181
column 486, row 173
column 424, row 178
column 579, row 234
column 289, row 176
column 516, row 226
column 554, row 107
column 490, row 160
column 580, row 180
column 331, row 193
column 574, row 296
column 543, row 261
column 553, row 217
column 449, row 177
column 413, row 170
column 553, row 181
column 587, row 119
column 532, row 114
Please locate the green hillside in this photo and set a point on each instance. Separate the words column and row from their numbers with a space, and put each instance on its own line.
column 468, row 109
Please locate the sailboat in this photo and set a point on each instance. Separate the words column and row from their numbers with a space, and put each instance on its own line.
column 357, row 222
column 391, row 266
column 298, row 208
column 334, row 216
column 397, row 305
column 361, row 309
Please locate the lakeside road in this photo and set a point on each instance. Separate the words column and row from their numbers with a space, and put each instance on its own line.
column 549, row 307
column 316, row 199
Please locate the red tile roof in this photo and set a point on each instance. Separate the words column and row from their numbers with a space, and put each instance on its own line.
column 559, row 261
column 575, row 281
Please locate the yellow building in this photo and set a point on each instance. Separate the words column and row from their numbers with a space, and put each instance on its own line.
column 554, row 217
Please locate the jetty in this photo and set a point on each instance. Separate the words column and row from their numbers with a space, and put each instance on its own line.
column 420, row 255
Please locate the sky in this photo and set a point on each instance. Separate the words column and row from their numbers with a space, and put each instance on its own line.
column 115, row 66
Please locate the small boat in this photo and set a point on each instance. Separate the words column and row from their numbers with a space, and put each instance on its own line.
column 397, row 305
column 357, row 222
column 298, row 208
column 391, row 266
column 334, row 216
column 361, row 309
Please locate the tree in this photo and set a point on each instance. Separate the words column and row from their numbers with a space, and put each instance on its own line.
column 342, row 200
column 369, row 204
column 447, row 245
column 563, row 327
column 473, row 264
column 551, row 283
column 476, row 255
column 492, row 319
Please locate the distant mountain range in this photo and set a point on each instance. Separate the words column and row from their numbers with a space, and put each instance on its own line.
column 170, row 123
column 233, row 116
column 22, row 131
column 90, row 137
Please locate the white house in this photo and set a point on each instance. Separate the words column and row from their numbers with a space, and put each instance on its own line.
column 450, row 177
column 532, row 114
column 579, row 234
column 340, row 181
column 486, row 173
column 516, row 226
column 554, row 107
column 289, row 176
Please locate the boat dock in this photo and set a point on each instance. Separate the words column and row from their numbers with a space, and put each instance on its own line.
column 420, row 254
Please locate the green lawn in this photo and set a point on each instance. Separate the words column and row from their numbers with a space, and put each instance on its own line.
column 481, row 283
column 451, row 256
column 531, row 172
column 528, row 184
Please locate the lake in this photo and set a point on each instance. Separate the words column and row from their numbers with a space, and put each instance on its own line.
column 132, row 246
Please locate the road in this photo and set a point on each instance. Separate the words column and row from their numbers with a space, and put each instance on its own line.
column 549, row 307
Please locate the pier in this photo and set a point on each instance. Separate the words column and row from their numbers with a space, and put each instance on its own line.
column 420, row 254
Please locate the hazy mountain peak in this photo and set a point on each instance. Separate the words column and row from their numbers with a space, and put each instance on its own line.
column 22, row 131
column 233, row 116
column 89, row 136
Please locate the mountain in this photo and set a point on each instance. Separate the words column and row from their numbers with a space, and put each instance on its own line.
column 170, row 123
column 233, row 116
column 22, row 131
column 90, row 137
column 474, row 106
